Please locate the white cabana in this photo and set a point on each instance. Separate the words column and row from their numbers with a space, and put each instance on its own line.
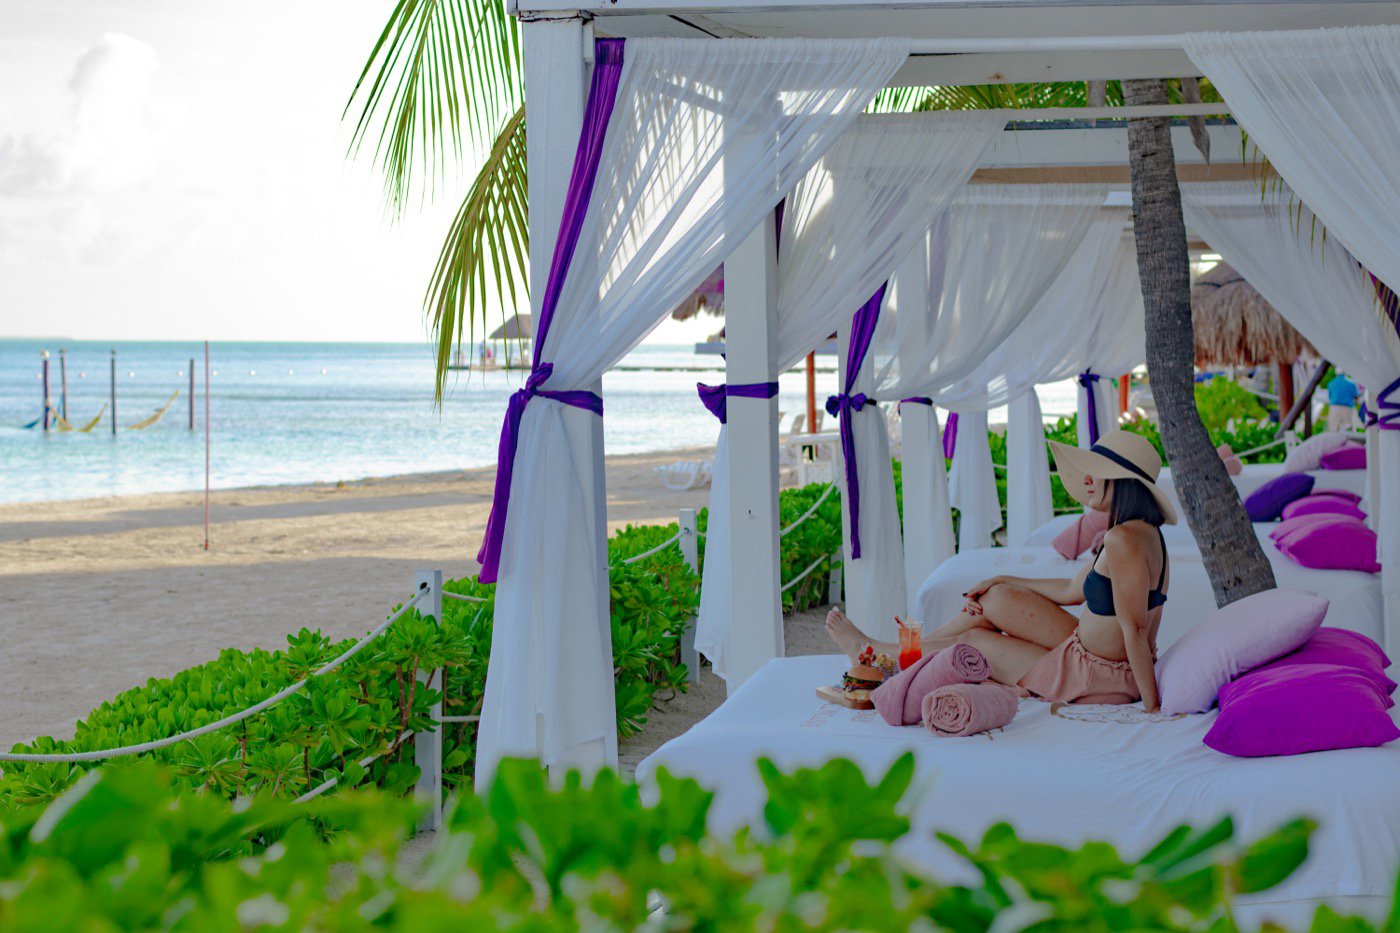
column 842, row 233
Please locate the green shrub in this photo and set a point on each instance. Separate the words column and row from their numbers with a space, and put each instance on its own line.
column 123, row 849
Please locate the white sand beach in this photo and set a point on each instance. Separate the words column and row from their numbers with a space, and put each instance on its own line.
column 98, row 595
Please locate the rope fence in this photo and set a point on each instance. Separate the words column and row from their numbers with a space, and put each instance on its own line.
column 364, row 763
column 231, row 719
column 803, row 575
column 810, row 512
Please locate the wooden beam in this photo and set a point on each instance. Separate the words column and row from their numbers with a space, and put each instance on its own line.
column 1109, row 174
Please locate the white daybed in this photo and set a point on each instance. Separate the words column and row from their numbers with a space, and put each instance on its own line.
column 1255, row 475
column 1355, row 597
column 1064, row 775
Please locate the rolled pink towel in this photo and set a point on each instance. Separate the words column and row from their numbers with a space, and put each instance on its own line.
column 899, row 699
column 966, row 709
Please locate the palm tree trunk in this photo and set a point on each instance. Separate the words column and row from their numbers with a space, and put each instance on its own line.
column 1232, row 554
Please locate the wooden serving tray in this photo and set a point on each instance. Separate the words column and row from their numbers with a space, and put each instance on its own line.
column 842, row 698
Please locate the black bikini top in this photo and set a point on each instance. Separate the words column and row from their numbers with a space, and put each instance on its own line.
column 1098, row 589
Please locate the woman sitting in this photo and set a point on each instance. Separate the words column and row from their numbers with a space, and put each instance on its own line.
column 1108, row 654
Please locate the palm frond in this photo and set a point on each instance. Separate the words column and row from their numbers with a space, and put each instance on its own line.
column 486, row 252
column 437, row 67
column 1022, row 96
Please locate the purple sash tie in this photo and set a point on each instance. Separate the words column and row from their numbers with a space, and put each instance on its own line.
column 848, row 401
column 1387, row 414
column 490, row 554
column 602, row 94
column 950, row 435
column 917, row 400
column 715, row 398
column 1086, row 381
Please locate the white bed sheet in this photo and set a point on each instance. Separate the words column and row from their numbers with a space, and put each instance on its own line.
column 1354, row 597
column 1081, row 773
column 1255, row 475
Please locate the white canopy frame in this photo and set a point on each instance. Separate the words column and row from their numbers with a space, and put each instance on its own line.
column 554, row 41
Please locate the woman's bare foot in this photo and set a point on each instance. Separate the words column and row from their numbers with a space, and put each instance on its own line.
column 843, row 631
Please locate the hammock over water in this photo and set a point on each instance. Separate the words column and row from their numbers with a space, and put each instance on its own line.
column 64, row 425
column 147, row 422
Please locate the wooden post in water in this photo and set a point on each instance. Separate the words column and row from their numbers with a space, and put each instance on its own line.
column 44, row 378
column 114, row 392
column 206, row 444
column 191, row 393
column 63, row 382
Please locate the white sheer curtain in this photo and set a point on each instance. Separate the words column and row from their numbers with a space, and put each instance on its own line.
column 1090, row 318
column 704, row 139
column 845, row 226
column 1321, row 290
column 985, row 266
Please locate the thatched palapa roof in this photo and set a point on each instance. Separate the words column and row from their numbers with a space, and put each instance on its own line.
column 708, row 297
column 1235, row 326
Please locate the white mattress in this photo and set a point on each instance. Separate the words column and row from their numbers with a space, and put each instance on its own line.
column 1355, row 597
column 1086, row 772
column 1255, row 475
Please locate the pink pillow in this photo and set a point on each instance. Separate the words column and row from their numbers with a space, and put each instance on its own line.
column 1081, row 534
column 1340, row 544
column 1307, row 455
column 1350, row 457
column 1293, row 709
column 1344, row 494
column 1233, row 465
column 1238, row 638
column 1346, row 649
column 1292, row 527
column 1312, row 505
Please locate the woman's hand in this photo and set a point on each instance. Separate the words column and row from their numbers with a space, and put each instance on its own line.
column 976, row 592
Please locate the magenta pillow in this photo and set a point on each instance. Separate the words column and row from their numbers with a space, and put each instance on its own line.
column 1080, row 535
column 1291, row 527
column 1342, row 543
column 1345, row 649
column 1350, row 457
column 1312, row 505
column 1293, row 709
column 1267, row 502
column 1230, row 641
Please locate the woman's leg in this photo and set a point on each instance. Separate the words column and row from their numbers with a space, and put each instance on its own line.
column 1025, row 614
column 852, row 640
column 1009, row 657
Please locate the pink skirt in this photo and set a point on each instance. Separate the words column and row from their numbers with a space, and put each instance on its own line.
column 1071, row 673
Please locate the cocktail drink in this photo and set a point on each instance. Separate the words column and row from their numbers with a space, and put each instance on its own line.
column 911, row 647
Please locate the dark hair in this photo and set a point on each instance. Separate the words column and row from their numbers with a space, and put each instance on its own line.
column 1133, row 502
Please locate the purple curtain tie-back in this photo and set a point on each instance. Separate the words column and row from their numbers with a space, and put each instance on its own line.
column 1086, row 382
column 602, row 95
column 1386, row 417
column 950, row 436
column 862, row 334
column 715, row 398
column 490, row 555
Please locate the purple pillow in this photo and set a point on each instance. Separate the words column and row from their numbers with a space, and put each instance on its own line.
column 1230, row 641
column 1350, row 457
column 1293, row 709
column 1312, row 505
column 1341, row 543
column 1266, row 502
column 1291, row 527
column 1345, row 649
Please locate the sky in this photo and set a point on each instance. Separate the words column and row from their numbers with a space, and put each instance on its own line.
column 181, row 171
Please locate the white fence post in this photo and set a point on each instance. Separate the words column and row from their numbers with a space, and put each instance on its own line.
column 690, row 551
column 427, row 745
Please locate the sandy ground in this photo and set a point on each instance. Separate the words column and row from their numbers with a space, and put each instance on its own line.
column 98, row 595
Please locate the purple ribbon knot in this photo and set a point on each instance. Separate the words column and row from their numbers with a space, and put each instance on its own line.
column 490, row 554
column 1386, row 417
column 715, row 398
column 838, row 405
column 1086, row 381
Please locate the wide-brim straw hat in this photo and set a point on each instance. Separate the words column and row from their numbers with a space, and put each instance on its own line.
column 1118, row 455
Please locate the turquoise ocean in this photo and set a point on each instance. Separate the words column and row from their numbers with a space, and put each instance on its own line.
column 286, row 413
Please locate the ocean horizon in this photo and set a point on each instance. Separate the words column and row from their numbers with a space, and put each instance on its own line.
column 294, row 413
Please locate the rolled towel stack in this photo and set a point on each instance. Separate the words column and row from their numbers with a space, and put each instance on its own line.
column 966, row 709
column 899, row 700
